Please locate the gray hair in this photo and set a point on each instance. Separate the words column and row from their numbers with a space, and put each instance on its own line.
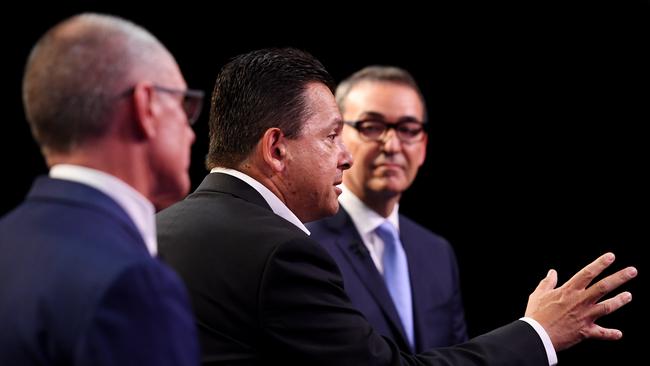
column 381, row 73
column 76, row 71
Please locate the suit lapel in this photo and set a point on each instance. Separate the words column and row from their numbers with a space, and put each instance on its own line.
column 355, row 252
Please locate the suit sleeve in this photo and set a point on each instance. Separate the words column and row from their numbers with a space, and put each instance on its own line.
column 306, row 313
column 459, row 327
column 143, row 319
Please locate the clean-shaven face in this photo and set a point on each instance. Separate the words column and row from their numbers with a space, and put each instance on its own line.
column 387, row 167
column 317, row 158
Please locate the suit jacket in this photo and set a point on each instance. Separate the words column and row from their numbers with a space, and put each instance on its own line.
column 437, row 305
column 78, row 286
column 264, row 293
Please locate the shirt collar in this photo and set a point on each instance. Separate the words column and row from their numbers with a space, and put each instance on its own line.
column 137, row 206
column 364, row 218
column 278, row 207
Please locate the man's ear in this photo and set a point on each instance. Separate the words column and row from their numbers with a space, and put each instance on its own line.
column 274, row 149
column 144, row 110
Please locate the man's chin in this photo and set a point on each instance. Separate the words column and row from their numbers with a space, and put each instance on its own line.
column 332, row 209
column 389, row 185
column 166, row 199
column 162, row 203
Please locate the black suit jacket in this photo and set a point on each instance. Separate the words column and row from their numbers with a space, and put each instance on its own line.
column 438, row 314
column 263, row 292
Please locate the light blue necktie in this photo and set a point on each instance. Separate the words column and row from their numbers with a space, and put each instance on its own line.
column 396, row 275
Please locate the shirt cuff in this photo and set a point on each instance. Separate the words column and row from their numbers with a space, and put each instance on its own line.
column 546, row 340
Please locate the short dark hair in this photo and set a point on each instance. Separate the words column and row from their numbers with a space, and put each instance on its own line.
column 392, row 74
column 257, row 91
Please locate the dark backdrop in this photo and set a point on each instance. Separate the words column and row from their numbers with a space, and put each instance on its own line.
column 538, row 155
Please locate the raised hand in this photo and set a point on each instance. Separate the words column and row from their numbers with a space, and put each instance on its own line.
column 568, row 313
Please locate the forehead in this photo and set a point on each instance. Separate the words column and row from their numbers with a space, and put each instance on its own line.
column 384, row 97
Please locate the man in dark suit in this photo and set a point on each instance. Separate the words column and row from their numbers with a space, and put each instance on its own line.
column 385, row 115
column 79, row 285
column 263, row 292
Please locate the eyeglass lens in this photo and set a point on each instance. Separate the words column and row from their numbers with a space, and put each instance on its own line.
column 192, row 107
column 192, row 101
column 408, row 131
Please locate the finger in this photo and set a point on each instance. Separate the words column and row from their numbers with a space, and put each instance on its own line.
column 605, row 334
column 609, row 283
column 549, row 282
column 584, row 277
column 610, row 305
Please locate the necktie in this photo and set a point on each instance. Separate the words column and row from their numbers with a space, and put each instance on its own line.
column 396, row 276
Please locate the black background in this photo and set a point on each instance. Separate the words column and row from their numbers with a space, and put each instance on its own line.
column 538, row 153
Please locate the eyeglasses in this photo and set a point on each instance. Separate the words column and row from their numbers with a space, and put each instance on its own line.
column 191, row 103
column 375, row 130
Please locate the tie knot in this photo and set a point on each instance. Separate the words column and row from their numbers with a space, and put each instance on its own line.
column 387, row 232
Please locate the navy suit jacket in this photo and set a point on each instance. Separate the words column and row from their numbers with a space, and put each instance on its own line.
column 78, row 286
column 437, row 306
column 264, row 293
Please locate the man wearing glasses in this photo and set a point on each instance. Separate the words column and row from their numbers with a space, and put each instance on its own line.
column 265, row 293
column 79, row 281
column 385, row 116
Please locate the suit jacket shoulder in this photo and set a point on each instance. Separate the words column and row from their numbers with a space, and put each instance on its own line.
column 75, row 274
column 265, row 293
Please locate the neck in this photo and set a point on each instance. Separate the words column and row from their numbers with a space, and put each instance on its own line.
column 266, row 177
column 109, row 158
column 383, row 203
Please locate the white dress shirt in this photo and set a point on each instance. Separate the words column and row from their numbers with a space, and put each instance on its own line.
column 278, row 207
column 366, row 221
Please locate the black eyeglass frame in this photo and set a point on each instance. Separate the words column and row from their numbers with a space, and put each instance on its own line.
column 192, row 102
column 399, row 131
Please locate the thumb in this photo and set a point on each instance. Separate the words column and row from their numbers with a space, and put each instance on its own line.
column 549, row 282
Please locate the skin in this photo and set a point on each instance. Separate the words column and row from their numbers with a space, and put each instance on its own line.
column 568, row 313
column 383, row 170
column 171, row 145
column 149, row 130
column 304, row 172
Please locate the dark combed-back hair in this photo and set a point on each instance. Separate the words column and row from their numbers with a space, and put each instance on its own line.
column 257, row 91
column 381, row 73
